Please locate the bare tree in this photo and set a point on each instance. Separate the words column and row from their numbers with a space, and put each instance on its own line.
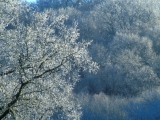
column 40, row 62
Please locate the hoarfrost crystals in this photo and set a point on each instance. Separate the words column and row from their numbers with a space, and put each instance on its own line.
column 41, row 64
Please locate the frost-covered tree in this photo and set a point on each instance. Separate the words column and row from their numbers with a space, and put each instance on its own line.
column 111, row 16
column 7, row 12
column 79, row 4
column 129, row 65
column 126, row 47
column 40, row 64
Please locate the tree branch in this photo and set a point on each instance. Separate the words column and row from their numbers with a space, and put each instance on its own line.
column 16, row 97
column 6, row 73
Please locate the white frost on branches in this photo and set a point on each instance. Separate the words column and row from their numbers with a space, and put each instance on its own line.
column 40, row 63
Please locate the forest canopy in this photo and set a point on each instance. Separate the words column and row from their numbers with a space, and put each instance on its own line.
column 80, row 59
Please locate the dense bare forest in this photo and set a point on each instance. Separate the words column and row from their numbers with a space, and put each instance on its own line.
column 80, row 60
